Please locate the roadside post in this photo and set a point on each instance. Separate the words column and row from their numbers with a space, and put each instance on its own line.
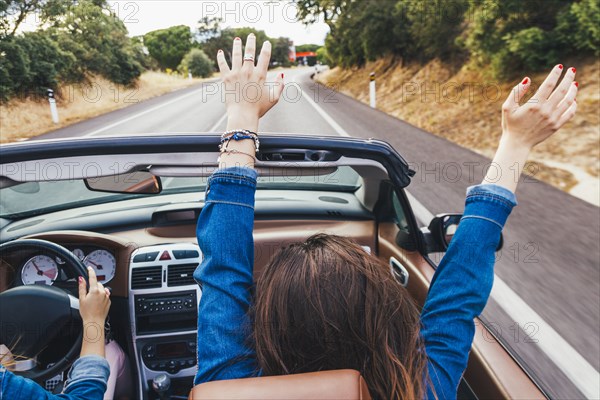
column 372, row 93
column 53, row 109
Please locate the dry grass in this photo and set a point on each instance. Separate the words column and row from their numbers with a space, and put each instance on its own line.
column 464, row 106
column 21, row 119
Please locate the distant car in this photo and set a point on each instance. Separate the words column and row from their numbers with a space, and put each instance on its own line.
column 128, row 206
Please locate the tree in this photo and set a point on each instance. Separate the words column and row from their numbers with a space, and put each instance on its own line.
column 280, row 53
column 99, row 41
column 197, row 63
column 168, row 46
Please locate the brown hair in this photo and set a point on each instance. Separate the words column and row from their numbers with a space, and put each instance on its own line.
column 327, row 304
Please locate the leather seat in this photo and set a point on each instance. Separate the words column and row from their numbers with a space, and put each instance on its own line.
column 343, row 384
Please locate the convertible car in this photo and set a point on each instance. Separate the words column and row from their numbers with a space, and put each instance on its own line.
column 128, row 206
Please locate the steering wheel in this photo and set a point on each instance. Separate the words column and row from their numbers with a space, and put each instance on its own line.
column 32, row 316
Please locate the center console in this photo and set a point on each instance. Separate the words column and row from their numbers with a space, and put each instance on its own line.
column 163, row 300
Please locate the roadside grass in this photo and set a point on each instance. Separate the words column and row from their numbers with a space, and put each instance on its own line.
column 21, row 119
column 463, row 105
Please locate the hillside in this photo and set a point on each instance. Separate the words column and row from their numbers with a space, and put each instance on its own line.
column 463, row 105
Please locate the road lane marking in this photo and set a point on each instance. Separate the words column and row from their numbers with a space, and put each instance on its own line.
column 581, row 373
column 219, row 122
column 336, row 127
column 134, row 116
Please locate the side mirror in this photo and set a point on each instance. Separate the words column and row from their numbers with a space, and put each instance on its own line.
column 138, row 182
column 441, row 230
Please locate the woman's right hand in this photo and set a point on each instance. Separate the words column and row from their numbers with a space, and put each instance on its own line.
column 546, row 112
column 95, row 303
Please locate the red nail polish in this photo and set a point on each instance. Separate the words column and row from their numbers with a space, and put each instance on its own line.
column 80, row 279
column 281, row 76
column 525, row 81
column 577, row 84
column 237, row 38
column 573, row 69
column 560, row 66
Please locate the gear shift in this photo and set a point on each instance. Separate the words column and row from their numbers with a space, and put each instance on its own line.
column 161, row 385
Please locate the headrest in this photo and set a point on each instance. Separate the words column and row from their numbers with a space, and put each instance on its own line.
column 325, row 385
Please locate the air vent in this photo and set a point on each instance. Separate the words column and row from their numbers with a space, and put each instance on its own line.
column 181, row 274
column 146, row 277
column 334, row 213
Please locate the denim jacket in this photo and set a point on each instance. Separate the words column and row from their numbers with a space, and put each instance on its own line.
column 458, row 293
column 86, row 381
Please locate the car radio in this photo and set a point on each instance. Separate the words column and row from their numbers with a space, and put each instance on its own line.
column 169, row 356
column 161, row 312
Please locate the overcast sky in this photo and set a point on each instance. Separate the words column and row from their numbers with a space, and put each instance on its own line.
column 276, row 18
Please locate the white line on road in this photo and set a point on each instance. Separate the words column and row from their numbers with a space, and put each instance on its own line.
column 583, row 375
column 134, row 116
column 340, row 131
column 219, row 122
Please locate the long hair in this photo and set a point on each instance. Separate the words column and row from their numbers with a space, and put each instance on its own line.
column 327, row 304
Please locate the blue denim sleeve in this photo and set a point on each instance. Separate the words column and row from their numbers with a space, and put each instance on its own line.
column 225, row 275
column 86, row 381
column 461, row 286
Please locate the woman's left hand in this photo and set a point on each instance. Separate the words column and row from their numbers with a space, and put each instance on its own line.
column 248, row 95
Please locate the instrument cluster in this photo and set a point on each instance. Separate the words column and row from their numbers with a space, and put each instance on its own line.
column 42, row 269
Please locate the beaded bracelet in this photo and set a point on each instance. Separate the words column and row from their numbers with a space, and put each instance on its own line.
column 239, row 134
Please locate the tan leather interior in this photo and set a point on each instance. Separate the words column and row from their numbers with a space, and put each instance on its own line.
column 326, row 385
column 491, row 372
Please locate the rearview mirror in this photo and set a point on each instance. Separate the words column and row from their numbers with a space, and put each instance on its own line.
column 138, row 182
column 441, row 230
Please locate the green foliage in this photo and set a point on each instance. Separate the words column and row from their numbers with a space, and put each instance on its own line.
column 196, row 62
column 14, row 68
column 508, row 36
column 514, row 36
column 280, row 52
column 85, row 38
column 168, row 46
column 308, row 47
column 578, row 27
column 323, row 56
column 99, row 41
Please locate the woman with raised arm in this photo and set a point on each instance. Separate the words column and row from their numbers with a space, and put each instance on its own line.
column 89, row 374
column 325, row 303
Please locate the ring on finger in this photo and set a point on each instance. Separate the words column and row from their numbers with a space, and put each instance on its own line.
column 249, row 57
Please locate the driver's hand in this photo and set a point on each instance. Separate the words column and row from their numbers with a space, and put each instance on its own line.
column 95, row 303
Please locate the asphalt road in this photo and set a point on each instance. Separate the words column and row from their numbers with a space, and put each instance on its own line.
column 547, row 305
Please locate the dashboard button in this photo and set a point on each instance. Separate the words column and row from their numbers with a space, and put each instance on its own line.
column 145, row 257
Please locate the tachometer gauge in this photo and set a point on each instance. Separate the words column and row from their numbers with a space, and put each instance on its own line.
column 79, row 254
column 103, row 263
column 39, row 270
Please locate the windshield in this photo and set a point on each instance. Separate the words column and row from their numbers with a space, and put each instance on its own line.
column 33, row 198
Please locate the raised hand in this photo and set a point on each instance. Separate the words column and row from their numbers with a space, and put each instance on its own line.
column 545, row 113
column 524, row 126
column 248, row 95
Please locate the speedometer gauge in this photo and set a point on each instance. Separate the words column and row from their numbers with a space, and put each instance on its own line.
column 103, row 263
column 39, row 270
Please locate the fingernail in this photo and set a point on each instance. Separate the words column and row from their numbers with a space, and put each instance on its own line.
column 251, row 34
column 573, row 69
column 525, row 81
column 560, row 66
column 281, row 76
column 237, row 38
column 80, row 279
column 220, row 51
column 577, row 84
